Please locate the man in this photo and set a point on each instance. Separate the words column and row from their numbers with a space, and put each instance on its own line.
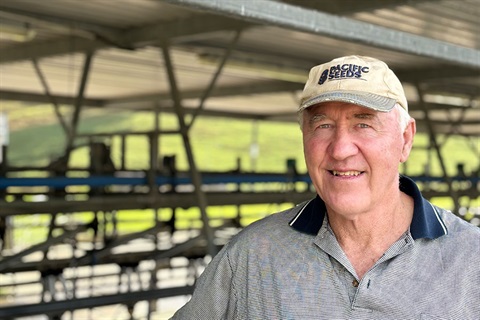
column 368, row 246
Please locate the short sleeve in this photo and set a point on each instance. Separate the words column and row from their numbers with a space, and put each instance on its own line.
column 214, row 294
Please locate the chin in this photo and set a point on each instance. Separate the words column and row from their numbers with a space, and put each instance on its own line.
column 351, row 203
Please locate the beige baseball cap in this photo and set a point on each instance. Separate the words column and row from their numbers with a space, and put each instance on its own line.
column 364, row 81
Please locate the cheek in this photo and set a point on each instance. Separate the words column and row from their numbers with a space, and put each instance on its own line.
column 315, row 153
column 311, row 148
column 396, row 149
column 390, row 153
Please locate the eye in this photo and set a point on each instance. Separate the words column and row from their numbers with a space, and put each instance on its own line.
column 363, row 125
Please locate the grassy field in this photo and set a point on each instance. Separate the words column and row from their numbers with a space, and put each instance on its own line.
column 36, row 138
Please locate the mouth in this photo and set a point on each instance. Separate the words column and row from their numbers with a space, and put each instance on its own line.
column 350, row 173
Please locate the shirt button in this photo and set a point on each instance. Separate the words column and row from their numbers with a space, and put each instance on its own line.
column 355, row 283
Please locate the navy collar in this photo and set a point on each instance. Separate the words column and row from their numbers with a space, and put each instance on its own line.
column 426, row 221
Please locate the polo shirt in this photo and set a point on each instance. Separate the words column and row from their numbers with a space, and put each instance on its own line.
column 290, row 266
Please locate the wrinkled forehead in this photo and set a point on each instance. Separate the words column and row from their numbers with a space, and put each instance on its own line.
column 347, row 111
column 335, row 107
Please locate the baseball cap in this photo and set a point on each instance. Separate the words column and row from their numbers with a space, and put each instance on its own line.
column 360, row 80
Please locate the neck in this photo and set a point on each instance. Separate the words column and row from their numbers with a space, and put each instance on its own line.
column 365, row 237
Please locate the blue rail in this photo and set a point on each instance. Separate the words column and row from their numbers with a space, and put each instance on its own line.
column 102, row 181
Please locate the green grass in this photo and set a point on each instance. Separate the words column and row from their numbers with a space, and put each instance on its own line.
column 456, row 150
column 217, row 143
column 36, row 138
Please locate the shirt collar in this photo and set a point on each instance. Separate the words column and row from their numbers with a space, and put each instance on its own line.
column 426, row 221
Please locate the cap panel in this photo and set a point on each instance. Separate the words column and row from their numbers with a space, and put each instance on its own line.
column 360, row 80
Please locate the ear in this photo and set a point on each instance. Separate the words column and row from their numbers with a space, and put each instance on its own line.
column 408, row 135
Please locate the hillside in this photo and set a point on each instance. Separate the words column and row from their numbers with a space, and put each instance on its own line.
column 36, row 137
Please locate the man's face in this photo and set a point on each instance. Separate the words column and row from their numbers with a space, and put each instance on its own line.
column 352, row 155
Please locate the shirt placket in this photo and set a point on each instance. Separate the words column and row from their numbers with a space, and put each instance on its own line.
column 357, row 289
column 365, row 292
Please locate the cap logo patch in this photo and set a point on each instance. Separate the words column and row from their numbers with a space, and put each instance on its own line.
column 344, row 71
column 323, row 77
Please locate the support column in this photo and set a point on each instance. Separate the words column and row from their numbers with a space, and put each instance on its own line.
column 78, row 106
column 52, row 99
column 431, row 131
column 210, row 87
column 195, row 174
column 153, row 139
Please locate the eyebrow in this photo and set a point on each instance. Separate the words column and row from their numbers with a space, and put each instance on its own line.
column 364, row 116
column 323, row 116
column 320, row 116
column 317, row 117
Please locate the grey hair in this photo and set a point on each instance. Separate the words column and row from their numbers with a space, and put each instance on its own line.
column 300, row 118
column 403, row 117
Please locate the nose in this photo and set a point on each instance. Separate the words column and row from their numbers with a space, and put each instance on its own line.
column 342, row 144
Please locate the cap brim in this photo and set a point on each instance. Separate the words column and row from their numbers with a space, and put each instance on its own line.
column 364, row 99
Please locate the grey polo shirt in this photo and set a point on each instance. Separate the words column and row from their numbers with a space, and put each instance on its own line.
column 290, row 266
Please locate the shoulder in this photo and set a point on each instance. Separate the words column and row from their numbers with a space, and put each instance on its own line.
column 267, row 234
column 462, row 241
column 457, row 227
column 275, row 224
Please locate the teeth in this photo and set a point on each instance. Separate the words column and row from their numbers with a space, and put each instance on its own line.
column 346, row 173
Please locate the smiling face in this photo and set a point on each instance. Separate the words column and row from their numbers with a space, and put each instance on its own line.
column 352, row 155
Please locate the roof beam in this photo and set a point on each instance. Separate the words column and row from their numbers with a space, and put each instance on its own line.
column 37, row 50
column 193, row 28
column 62, row 25
column 305, row 20
column 28, row 97
column 260, row 59
column 179, row 30
column 147, row 101
column 223, row 91
column 437, row 72
column 340, row 7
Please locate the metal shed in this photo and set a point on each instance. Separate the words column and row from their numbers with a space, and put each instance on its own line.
column 220, row 58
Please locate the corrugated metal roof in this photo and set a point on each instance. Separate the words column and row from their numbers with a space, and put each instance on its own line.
column 442, row 22
column 269, row 59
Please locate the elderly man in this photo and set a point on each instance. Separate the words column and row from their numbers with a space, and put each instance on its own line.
column 369, row 246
